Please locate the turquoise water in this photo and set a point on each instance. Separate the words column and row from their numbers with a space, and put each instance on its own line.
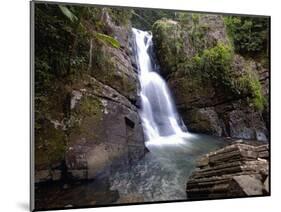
column 162, row 174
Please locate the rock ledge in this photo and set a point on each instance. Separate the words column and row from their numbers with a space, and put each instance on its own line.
column 236, row 170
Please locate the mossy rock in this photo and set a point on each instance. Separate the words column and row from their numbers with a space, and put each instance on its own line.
column 115, row 70
column 168, row 44
column 50, row 146
column 249, row 83
column 85, row 119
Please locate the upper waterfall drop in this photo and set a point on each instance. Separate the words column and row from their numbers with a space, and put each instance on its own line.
column 158, row 113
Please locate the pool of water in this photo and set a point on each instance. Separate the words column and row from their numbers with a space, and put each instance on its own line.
column 161, row 175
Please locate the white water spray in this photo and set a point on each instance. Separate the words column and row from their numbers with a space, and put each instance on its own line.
column 159, row 116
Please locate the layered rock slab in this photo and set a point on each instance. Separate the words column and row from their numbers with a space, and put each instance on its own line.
column 236, row 170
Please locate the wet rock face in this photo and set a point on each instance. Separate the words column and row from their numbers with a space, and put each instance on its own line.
column 106, row 129
column 247, row 124
column 205, row 120
column 236, row 170
column 214, row 101
column 234, row 119
column 94, row 124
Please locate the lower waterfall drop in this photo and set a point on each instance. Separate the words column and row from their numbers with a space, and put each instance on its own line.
column 160, row 119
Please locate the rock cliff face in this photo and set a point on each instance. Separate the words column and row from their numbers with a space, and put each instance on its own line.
column 92, row 123
column 217, row 91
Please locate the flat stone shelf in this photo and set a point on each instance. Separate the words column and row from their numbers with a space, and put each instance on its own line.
column 237, row 170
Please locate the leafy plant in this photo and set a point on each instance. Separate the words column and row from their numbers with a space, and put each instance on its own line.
column 249, row 34
column 78, row 21
column 249, row 84
column 217, row 63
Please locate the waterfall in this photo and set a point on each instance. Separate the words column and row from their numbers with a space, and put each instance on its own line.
column 160, row 119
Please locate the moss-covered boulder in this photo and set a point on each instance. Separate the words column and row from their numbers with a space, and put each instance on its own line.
column 114, row 68
column 210, row 82
column 168, row 41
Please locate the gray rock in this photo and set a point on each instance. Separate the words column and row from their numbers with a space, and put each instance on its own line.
column 266, row 186
column 76, row 96
column 205, row 120
column 233, row 171
column 250, row 185
column 106, row 131
column 56, row 175
column 260, row 135
column 77, row 174
column 42, row 176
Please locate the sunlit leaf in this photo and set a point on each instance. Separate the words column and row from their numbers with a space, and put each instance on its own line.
column 108, row 39
column 68, row 13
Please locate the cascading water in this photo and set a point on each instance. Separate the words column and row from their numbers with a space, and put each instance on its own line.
column 159, row 116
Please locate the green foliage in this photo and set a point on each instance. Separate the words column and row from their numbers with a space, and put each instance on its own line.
column 195, row 18
column 63, row 37
column 60, row 44
column 62, row 41
column 50, row 145
column 120, row 16
column 198, row 34
column 100, row 36
column 68, row 13
column 190, row 67
column 217, row 63
column 90, row 106
column 249, row 84
column 249, row 34
column 190, row 22
column 145, row 18
column 169, row 42
column 184, row 18
column 107, row 39
column 206, row 61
